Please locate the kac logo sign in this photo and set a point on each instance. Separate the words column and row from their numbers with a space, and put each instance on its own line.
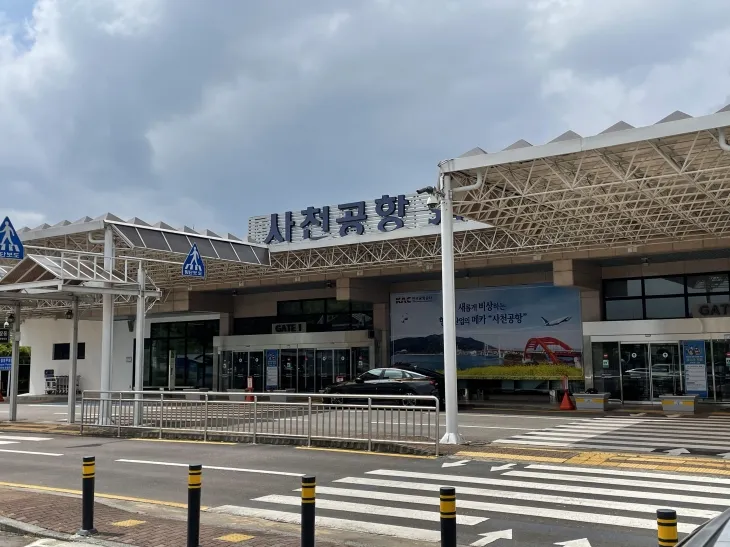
column 413, row 299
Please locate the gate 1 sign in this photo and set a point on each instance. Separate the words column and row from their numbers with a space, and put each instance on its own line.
column 695, row 367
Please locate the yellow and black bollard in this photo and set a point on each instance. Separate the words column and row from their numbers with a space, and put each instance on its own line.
column 448, row 516
column 308, row 510
column 88, row 474
column 666, row 520
column 195, row 482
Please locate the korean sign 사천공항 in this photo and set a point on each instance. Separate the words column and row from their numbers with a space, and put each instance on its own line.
column 385, row 214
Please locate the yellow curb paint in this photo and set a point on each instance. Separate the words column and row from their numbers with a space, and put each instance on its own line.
column 128, row 523
column 234, row 538
column 183, row 441
column 103, row 496
column 362, row 452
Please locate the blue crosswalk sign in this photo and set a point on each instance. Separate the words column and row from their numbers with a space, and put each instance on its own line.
column 10, row 244
column 193, row 265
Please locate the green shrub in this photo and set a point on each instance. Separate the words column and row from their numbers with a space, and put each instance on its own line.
column 539, row 371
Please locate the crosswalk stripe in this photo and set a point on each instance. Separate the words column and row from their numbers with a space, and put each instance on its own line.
column 623, row 441
column 688, row 420
column 8, row 442
column 505, row 494
column 624, row 435
column 566, row 444
column 19, row 438
column 646, row 431
column 369, row 509
column 367, row 527
column 618, row 482
column 627, row 473
column 541, row 485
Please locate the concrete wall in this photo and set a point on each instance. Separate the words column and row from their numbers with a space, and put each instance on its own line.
column 41, row 334
column 666, row 268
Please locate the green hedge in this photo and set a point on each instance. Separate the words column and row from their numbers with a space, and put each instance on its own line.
column 540, row 371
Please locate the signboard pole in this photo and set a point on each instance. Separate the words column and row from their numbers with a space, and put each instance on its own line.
column 139, row 348
column 452, row 435
column 14, row 367
column 74, row 362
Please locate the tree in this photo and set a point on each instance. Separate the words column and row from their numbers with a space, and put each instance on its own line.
column 6, row 350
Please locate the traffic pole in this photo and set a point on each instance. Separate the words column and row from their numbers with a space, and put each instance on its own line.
column 666, row 520
column 308, row 509
column 88, row 475
column 448, row 516
column 195, row 482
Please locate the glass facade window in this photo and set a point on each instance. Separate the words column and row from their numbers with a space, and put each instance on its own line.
column 663, row 297
column 320, row 315
column 188, row 347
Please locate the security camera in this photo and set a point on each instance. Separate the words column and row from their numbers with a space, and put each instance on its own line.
column 432, row 202
column 426, row 190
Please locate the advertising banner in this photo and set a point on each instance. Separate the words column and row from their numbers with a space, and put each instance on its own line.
column 695, row 367
column 518, row 332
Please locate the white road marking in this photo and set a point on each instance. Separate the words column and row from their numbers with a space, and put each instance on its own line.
column 30, row 453
column 416, row 534
column 20, row 438
column 627, row 473
column 503, row 494
column 618, row 482
column 568, row 444
column 539, row 485
column 369, row 509
column 647, row 431
column 217, row 468
column 625, row 442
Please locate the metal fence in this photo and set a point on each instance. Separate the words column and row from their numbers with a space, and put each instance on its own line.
column 409, row 419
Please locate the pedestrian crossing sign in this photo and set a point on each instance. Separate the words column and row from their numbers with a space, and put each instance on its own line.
column 10, row 244
column 193, row 265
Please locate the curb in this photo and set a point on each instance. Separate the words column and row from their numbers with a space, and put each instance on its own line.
column 23, row 528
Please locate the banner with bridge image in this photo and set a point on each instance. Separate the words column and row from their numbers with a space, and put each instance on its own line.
column 531, row 332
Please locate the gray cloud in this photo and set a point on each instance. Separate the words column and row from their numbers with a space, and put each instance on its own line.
column 208, row 112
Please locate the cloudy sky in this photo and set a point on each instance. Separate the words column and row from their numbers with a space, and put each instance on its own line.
column 206, row 112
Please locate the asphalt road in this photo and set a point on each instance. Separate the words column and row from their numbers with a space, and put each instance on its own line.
column 391, row 495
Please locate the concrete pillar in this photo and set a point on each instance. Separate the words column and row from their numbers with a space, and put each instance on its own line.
column 381, row 325
column 576, row 273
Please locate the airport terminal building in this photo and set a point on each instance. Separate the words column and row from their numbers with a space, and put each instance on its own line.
column 603, row 259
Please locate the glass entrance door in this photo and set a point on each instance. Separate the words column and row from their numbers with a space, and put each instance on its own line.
column 306, row 368
column 665, row 377
column 256, row 369
column 342, row 365
column 288, row 368
column 649, row 371
column 239, row 370
column 635, row 377
column 324, row 368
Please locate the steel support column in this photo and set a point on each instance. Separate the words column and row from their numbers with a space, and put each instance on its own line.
column 73, row 350
column 14, row 366
column 451, row 436
column 139, row 348
column 107, row 326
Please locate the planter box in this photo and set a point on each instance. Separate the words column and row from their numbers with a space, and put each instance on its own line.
column 679, row 403
column 591, row 401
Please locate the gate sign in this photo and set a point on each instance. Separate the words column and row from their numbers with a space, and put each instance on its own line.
column 10, row 244
column 5, row 363
column 193, row 265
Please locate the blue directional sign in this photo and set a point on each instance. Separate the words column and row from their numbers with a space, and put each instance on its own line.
column 193, row 265
column 10, row 244
column 5, row 363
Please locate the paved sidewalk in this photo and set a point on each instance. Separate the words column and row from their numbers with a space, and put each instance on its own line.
column 62, row 515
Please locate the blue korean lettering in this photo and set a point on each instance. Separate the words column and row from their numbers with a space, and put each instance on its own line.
column 392, row 210
column 275, row 233
column 436, row 217
column 315, row 217
column 353, row 217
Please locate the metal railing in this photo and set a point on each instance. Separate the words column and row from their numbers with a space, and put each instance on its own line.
column 260, row 416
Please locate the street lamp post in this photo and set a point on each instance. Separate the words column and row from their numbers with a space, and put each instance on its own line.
column 448, row 292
